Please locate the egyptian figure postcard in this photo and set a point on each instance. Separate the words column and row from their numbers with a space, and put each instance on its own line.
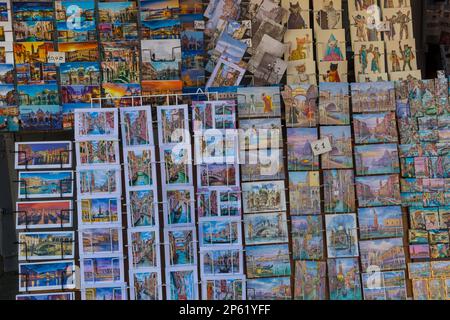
column 373, row 97
column 221, row 262
column 330, row 45
column 258, row 102
column 334, row 103
column 327, row 15
column 304, row 192
column 268, row 261
column 335, row 71
column 146, row 285
column 342, row 237
column 340, row 157
column 380, row 222
column 344, row 279
column 399, row 22
column 99, row 211
column 307, row 237
column 101, row 270
column 104, row 292
column 46, row 296
column 376, row 159
column 46, row 245
column 401, row 57
column 100, row 152
column 375, row 128
column 387, row 254
column 182, row 284
column 174, row 121
column 44, row 214
column 277, row 288
column 161, row 59
column 220, row 202
column 43, row 155
column 219, row 231
column 99, row 181
column 142, row 207
column 263, row 133
column 378, row 190
column 339, row 191
column 301, row 72
column 299, row 45
column 261, row 165
column 97, row 242
column 300, row 101
column 45, row 184
column 224, row 288
column 179, row 206
column 137, row 128
column 298, row 17
column 265, row 228
column 140, row 168
column 55, row 275
column 264, row 196
column 144, row 249
column 369, row 58
column 96, row 124
column 120, row 62
column 310, row 280
column 300, row 155
column 181, row 247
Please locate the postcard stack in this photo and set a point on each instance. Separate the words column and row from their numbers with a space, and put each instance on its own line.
column 330, row 41
column 218, row 200
column 423, row 112
column 141, row 189
column 264, row 194
column 380, row 215
column 180, row 241
column 99, row 186
column 160, row 46
column 430, row 280
column 9, row 111
column 46, row 240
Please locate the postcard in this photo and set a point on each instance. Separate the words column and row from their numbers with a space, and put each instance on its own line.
column 304, row 192
column 118, row 21
column 299, row 45
column 420, row 289
column 217, row 203
column 174, row 122
column 373, row 96
column 46, row 296
column 219, row 231
column 99, row 181
column 267, row 261
column 97, row 270
column 342, row 237
column 33, row 31
column 140, row 168
column 380, row 222
column 146, row 285
column 333, row 71
column 375, row 128
column 224, row 288
column 214, row 115
column 388, row 253
column 263, row 196
column 376, row 159
column 405, row 75
column 159, row 29
column 161, row 59
column 44, row 214
column 358, row 5
column 390, row 285
column 55, row 275
column 102, row 292
column 327, row 15
column 341, row 140
column 100, row 152
column 269, row 27
column 419, row 270
column 45, row 184
column 137, row 126
column 301, row 105
column 344, row 279
column 265, row 228
column 36, row 95
column 29, row 52
column 270, row 70
column 227, row 48
column 378, row 190
column 267, row 45
column 179, row 208
column 278, row 288
column 440, row 269
column 46, row 245
column 307, row 237
column 177, row 165
column 261, row 165
column 96, row 124
column 79, row 96
column 300, row 155
column 400, row 22
column 330, row 45
column 226, row 74
column 310, row 277
column 365, row 26
column 99, row 211
column 301, row 72
column 439, row 251
column 98, row 242
column 259, row 102
column 437, row 289
column 120, row 95
column 339, row 191
column 43, row 117
column 159, row 10
column 79, row 51
column 298, row 17
column 120, row 61
column 260, row 134
column 181, row 249
column 182, row 283
column 334, row 103
column 43, row 155
column 144, row 248
column 375, row 77
column 221, row 262
column 7, row 73
column 401, row 56
column 9, row 119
